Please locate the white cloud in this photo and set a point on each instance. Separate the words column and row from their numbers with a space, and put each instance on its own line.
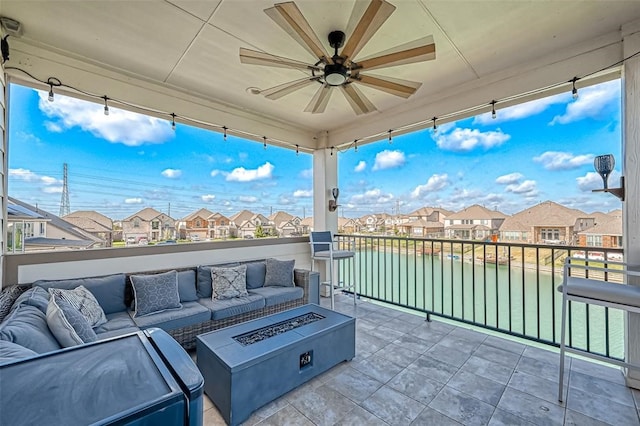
column 284, row 201
column 119, row 126
column 592, row 180
column 208, row 198
column 172, row 173
column 464, row 140
column 591, row 102
column 302, row 193
column 306, row 174
column 528, row 187
column 240, row 174
column 360, row 167
column 53, row 127
column 511, row 178
column 133, row 201
column 372, row 196
column 557, row 160
column 50, row 185
column 435, row 183
column 389, row 159
column 519, row 111
column 215, row 173
column 248, row 199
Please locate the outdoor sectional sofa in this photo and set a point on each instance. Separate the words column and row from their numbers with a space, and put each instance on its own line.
column 25, row 325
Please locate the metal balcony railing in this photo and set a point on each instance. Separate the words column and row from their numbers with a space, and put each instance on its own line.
column 506, row 287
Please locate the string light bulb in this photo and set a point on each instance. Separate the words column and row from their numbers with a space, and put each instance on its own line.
column 297, row 150
column 173, row 121
column 331, row 150
column 264, row 142
column 435, row 126
column 493, row 109
column 106, row 106
column 50, row 92
column 574, row 91
column 390, row 140
column 355, row 145
column 224, row 135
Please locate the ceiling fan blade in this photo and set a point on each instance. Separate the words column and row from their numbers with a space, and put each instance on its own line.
column 416, row 51
column 248, row 56
column 320, row 100
column 357, row 100
column 376, row 14
column 395, row 86
column 284, row 89
column 289, row 18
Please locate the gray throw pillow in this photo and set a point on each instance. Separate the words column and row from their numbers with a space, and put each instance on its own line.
column 8, row 295
column 228, row 283
column 68, row 324
column 155, row 293
column 279, row 273
column 255, row 274
column 84, row 301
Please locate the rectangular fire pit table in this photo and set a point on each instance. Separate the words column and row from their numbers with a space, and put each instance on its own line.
column 249, row 365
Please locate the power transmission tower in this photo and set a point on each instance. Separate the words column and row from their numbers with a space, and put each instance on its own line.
column 65, row 207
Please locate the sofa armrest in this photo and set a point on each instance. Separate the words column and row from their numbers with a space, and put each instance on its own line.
column 302, row 278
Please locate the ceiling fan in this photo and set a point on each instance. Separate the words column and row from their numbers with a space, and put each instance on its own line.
column 341, row 70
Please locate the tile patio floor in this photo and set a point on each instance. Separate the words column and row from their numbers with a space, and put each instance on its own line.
column 411, row 372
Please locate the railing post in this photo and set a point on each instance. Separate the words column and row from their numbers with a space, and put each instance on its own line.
column 428, row 318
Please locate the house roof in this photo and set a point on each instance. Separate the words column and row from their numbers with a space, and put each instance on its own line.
column 218, row 216
column 280, row 217
column 202, row 213
column 93, row 215
column 546, row 213
column 241, row 217
column 57, row 222
column 57, row 242
column 426, row 211
column 609, row 226
column 87, row 224
column 477, row 211
column 18, row 212
column 145, row 214
column 423, row 224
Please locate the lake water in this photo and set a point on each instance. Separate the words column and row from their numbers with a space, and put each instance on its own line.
column 522, row 301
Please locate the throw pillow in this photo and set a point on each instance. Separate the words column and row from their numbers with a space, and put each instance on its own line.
column 279, row 273
column 68, row 324
column 8, row 295
column 84, row 301
column 255, row 274
column 228, row 283
column 155, row 293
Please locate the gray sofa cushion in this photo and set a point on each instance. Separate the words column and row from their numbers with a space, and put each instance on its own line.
column 279, row 273
column 108, row 290
column 187, row 286
column 192, row 313
column 10, row 351
column 221, row 309
column 116, row 333
column 27, row 326
column 8, row 296
column 203, row 279
column 155, row 293
column 256, row 272
column 277, row 295
column 116, row 321
column 35, row 296
column 67, row 323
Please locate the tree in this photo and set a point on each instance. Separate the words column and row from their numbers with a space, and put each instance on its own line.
column 259, row 232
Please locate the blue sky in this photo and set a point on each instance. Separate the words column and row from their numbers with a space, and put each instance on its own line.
column 121, row 163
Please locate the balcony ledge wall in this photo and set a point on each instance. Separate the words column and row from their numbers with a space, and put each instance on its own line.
column 26, row 268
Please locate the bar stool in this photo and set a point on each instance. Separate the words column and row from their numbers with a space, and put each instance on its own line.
column 322, row 249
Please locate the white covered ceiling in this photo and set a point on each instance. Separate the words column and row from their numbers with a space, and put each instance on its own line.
column 182, row 56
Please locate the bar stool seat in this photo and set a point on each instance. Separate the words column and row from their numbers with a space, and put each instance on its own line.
column 322, row 249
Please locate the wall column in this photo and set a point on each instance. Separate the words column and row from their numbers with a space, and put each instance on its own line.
column 631, row 173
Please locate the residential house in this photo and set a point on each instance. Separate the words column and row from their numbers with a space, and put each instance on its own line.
column 607, row 232
column 219, row 226
column 31, row 228
column 195, row 226
column 285, row 224
column 429, row 214
column 474, row 223
column 348, row 225
column 381, row 222
column 421, row 228
column 149, row 224
column 94, row 223
column 545, row 223
column 306, row 225
column 247, row 224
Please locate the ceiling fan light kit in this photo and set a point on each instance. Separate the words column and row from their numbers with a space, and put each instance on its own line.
column 342, row 69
